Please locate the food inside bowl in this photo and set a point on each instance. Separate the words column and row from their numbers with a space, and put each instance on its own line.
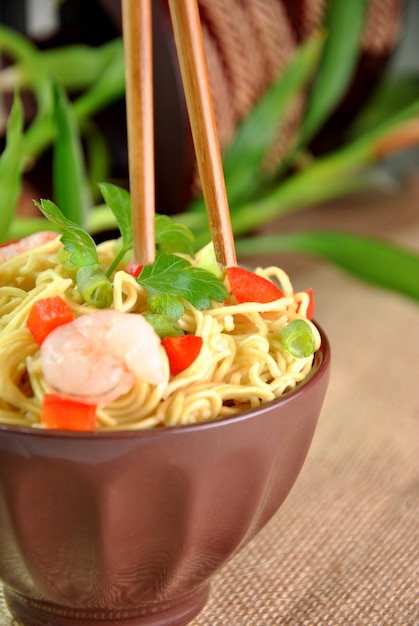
column 90, row 340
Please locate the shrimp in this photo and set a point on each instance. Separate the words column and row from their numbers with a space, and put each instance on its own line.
column 99, row 356
column 10, row 250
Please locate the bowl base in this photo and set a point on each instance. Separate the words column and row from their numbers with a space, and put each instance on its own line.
column 174, row 613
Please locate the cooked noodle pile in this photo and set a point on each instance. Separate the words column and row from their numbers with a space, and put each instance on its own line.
column 241, row 365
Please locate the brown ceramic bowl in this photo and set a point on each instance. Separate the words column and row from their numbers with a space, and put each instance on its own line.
column 128, row 528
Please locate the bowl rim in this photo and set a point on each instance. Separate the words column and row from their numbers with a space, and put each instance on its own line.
column 321, row 364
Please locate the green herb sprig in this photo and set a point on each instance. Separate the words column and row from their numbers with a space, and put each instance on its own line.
column 172, row 278
column 169, row 281
column 82, row 258
column 169, row 235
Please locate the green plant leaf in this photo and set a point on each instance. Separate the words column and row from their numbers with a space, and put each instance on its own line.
column 23, row 226
column 119, row 201
column 166, row 304
column 77, row 66
column 373, row 260
column 15, row 45
column 99, row 220
column 172, row 236
column 109, row 87
column 108, row 67
column 344, row 22
column 164, row 325
column 98, row 158
column 76, row 241
column 242, row 162
column 394, row 94
column 69, row 181
column 11, row 167
column 332, row 176
column 18, row 48
column 172, row 275
column 80, row 258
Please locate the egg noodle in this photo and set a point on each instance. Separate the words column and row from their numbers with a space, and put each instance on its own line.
column 241, row 365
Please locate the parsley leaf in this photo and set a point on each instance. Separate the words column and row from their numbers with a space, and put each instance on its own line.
column 168, row 281
column 175, row 276
column 119, row 202
column 92, row 282
column 164, row 325
column 167, row 304
column 78, row 243
column 172, row 236
column 169, row 235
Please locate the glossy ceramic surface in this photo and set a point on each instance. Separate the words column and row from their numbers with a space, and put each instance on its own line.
column 128, row 528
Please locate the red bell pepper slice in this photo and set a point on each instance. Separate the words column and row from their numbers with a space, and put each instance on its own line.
column 310, row 308
column 181, row 351
column 59, row 412
column 133, row 268
column 247, row 286
column 45, row 315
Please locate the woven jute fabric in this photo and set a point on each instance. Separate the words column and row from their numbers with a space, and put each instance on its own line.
column 344, row 547
column 249, row 43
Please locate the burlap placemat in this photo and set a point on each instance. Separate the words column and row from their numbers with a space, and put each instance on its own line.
column 343, row 549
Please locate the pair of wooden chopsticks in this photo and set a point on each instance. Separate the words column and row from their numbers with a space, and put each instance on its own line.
column 137, row 35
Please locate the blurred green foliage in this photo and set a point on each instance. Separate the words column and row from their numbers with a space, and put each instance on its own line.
column 320, row 72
